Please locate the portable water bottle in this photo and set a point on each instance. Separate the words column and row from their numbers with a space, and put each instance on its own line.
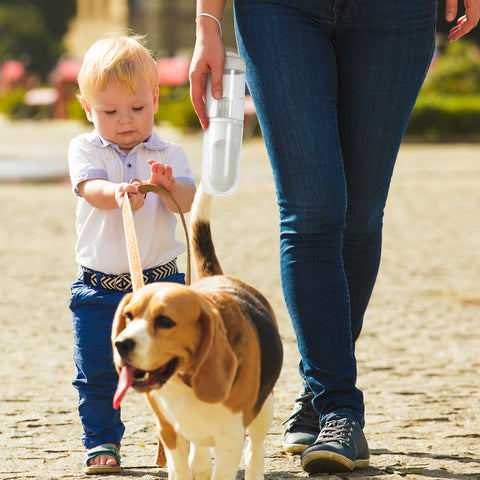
column 222, row 140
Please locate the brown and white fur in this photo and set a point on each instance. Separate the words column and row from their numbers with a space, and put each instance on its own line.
column 207, row 357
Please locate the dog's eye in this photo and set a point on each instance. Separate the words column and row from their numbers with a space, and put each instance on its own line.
column 129, row 315
column 164, row 322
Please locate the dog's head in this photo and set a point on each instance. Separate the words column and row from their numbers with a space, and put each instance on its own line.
column 165, row 329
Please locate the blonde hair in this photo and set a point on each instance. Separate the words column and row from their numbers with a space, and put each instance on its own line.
column 123, row 60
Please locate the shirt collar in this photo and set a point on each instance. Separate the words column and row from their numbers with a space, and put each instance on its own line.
column 153, row 142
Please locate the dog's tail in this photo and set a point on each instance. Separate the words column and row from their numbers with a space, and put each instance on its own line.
column 204, row 257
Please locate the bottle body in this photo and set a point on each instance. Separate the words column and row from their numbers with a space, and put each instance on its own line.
column 222, row 140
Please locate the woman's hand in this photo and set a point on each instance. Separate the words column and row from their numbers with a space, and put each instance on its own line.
column 208, row 56
column 464, row 24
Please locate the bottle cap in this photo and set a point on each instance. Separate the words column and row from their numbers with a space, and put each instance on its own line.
column 233, row 61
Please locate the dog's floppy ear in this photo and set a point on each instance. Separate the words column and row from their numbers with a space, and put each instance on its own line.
column 216, row 362
column 119, row 320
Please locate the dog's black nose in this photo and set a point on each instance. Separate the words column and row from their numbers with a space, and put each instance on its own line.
column 124, row 347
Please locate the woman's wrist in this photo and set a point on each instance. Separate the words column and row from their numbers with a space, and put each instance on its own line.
column 208, row 24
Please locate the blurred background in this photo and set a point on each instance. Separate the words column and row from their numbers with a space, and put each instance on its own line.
column 42, row 44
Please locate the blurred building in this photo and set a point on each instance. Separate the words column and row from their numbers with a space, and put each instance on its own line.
column 169, row 25
column 94, row 19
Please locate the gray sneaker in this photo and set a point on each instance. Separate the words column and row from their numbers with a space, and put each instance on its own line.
column 340, row 447
column 303, row 425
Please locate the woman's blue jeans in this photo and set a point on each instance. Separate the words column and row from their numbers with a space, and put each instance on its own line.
column 334, row 83
column 96, row 379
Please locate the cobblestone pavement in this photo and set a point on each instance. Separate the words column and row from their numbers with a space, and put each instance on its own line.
column 418, row 361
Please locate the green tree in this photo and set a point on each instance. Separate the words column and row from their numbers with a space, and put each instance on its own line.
column 32, row 31
column 456, row 72
column 56, row 13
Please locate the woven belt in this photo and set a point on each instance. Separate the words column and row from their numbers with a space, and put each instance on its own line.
column 123, row 282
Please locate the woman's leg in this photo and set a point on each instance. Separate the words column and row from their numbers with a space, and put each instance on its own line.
column 382, row 54
column 292, row 74
column 305, row 60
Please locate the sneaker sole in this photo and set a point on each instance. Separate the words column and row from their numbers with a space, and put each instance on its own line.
column 330, row 462
column 294, row 447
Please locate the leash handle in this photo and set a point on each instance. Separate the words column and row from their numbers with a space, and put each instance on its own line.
column 149, row 187
column 134, row 263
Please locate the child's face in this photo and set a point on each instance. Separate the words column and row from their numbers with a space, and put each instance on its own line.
column 121, row 116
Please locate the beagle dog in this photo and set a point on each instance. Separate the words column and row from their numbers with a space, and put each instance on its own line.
column 207, row 357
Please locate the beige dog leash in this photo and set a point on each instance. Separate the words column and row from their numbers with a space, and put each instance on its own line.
column 135, row 265
column 134, row 262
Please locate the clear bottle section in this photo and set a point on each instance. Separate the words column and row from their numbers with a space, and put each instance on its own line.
column 222, row 140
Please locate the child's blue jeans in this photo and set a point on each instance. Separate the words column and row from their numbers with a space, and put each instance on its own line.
column 96, row 379
column 334, row 83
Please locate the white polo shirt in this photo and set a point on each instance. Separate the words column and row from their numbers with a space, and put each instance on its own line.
column 101, row 244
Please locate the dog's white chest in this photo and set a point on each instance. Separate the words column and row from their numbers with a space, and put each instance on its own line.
column 199, row 422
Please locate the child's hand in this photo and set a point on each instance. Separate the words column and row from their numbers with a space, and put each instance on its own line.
column 161, row 175
column 183, row 192
column 137, row 199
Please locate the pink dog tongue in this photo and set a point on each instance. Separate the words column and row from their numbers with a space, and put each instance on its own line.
column 125, row 380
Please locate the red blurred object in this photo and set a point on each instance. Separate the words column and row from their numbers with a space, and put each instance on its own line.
column 173, row 71
column 68, row 69
column 64, row 79
column 12, row 71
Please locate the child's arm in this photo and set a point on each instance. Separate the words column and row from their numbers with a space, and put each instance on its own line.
column 183, row 192
column 107, row 195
